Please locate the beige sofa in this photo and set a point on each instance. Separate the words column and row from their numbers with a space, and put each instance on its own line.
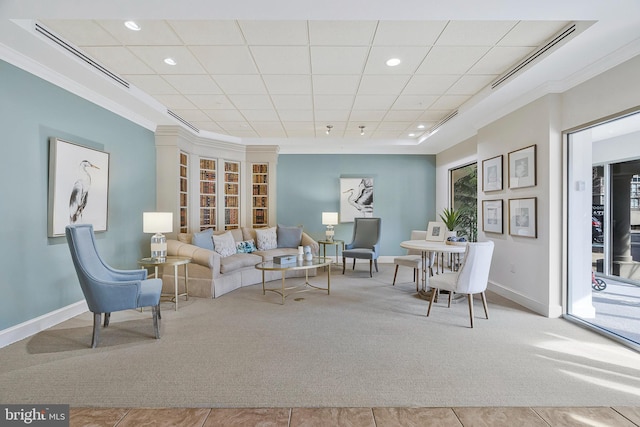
column 211, row 275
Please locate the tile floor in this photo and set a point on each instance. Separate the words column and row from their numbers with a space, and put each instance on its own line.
column 357, row 417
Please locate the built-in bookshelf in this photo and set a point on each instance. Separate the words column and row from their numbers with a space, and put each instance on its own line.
column 184, row 192
column 260, row 194
column 231, row 195
column 207, row 194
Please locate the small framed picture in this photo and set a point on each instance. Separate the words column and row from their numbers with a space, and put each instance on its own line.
column 522, row 167
column 523, row 217
column 492, row 216
column 436, row 231
column 492, row 174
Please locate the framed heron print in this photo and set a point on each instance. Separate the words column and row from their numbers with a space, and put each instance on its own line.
column 78, row 186
column 356, row 198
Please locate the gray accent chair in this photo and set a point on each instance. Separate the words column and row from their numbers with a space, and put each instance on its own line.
column 107, row 289
column 471, row 278
column 365, row 243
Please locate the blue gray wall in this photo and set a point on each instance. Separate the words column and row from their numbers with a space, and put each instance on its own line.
column 404, row 193
column 37, row 272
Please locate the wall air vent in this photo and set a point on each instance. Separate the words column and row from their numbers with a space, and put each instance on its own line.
column 71, row 49
column 541, row 51
column 183, row 121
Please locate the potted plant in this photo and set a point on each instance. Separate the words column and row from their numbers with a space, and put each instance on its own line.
column 451, row 219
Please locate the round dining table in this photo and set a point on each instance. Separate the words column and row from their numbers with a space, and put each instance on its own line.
column 426, row 246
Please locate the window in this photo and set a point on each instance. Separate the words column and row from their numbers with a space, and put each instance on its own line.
column 464, row 197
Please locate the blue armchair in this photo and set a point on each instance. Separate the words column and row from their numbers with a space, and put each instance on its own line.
column 365, row 243
column 106, row 289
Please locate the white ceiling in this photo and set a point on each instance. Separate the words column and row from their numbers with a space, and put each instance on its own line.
column 281, row 76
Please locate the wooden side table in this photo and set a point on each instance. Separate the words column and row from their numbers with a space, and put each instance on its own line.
column 334, row 242
column 174, row 261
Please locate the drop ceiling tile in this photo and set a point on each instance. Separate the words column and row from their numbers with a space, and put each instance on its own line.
column 208, row 32
column 403, row 115
column 288, row 85
column 451, row 59
column 499, row 59
column 154, row 57
column 281, row 59
column 394, row 126
column 175, row 102
column 474, row 33
column 449, row 102
column 330, row 116
column 253, row 102
column 414, row 102
column 267, row 126
column 193, row 83
column 210, row 102
column 335, row 85
column 225, row 59
column 470, row 84
column 433, row 115
column 411, row 58
column 338, row 60
column 296, row 115
column 531, row 33
column 333, row 102
column 429, row 84
column 240, row 84
column 341, row 33
column 152, row 33
column 282, row 33
column 81, row 33
column 208, row 126
column 308, row 133
column 226, row 116
column 308, row 126
column 272, row 133
column 260, row 115
column 118, row 59
column 234, row 125
column 292, row 102
column 245, row 133
column 373, row 102
column 151, row 84
column 382, row 85
column 367, row 115
column 386, row 134
column 408, row 33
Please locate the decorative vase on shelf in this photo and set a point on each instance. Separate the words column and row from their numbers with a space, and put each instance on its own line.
column 308, row 256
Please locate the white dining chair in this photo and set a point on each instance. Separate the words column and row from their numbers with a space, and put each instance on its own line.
column 413, row 259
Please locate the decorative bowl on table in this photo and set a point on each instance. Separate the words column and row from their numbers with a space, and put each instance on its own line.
column 456, row 241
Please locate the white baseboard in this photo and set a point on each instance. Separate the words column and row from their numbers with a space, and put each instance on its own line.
column 535, row 306
column 33, row 326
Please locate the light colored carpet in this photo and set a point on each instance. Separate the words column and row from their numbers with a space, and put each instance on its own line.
column 368, row 344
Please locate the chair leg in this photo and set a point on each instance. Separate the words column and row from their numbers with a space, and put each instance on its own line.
column 370, row 268
column 484, row 304
column 375, row 262
column 156, row 323
column 354, row 264
column 107, row 318
column 97, row 317
column 434, row 291
column 416, row 277
column 470, row 298
column 395, row 274
column 343, row 264
column 159, row 312
column 450, row 293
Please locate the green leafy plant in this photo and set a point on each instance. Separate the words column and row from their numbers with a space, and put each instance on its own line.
column 451, row 218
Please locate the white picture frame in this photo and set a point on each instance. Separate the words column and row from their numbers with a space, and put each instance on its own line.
column 523, row 217
column 436, row 231
column 492, row 221
column 492, row 174
column 522, row 167
column 78, row 186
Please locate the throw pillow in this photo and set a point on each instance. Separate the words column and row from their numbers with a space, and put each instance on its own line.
column 224, row 244
column 246, row 247
column 203, row 239
column 289, row 237
column 266, row 238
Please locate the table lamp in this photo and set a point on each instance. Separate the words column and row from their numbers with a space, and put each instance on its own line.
column 329, row 219
column 158, row 223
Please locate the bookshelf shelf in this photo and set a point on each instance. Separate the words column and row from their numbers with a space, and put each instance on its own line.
column 207, row 194
column 260, row 194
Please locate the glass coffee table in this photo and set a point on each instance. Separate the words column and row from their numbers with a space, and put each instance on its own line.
column 298, row 265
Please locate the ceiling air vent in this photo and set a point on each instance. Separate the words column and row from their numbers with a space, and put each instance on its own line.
column 71, row 49
column 546, row 48
column 183, row 121
column 438, row 125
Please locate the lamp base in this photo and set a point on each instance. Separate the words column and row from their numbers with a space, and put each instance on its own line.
column 159, row 247
column 329, row 233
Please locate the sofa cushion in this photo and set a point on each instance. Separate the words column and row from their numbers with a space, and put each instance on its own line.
column 237, row 261
column 203, row 239
column 246, row 247
column 224, row 244
column 266, row 238
column 289, row 237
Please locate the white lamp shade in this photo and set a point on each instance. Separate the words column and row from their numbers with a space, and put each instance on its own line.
column 329, row 218
column 157, row 222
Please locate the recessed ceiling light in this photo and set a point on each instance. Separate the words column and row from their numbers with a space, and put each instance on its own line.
column 132, row 26
column 170, row 61
column 411, row 135
column 420, row 126
column 393, row 62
